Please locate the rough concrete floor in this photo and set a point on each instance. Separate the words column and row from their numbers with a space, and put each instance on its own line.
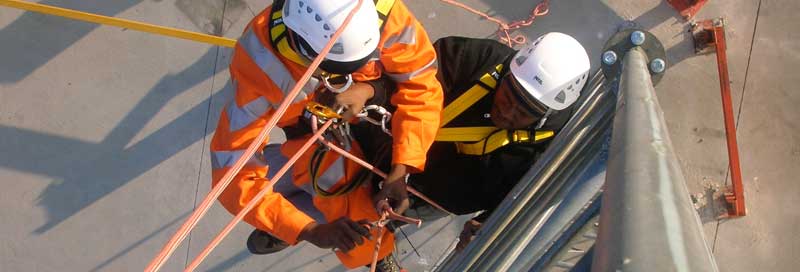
column 104, row 131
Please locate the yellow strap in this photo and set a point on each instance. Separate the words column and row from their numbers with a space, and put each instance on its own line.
column 501, row 139
column 475, row 134
column 462, row 103
column 481, row 139
column 111, row 21
column 464, row 134
column 468, row 98
column 383, row 7
column 282, row 45
column 277, row 29
column 286, row 50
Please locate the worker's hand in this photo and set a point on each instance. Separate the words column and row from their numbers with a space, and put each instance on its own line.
column 394, row 189
column 343, row 234
column 354, row 98
column 471, row 228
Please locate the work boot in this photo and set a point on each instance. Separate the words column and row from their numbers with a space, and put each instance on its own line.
column 262, row 243
column 388, row 264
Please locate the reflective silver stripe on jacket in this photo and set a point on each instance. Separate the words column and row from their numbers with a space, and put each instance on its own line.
column 273, row 67
column 240, row 117
column 407, row 36
column 408, row 76
column 328, row 179
column 222, row 159
column 332, row 175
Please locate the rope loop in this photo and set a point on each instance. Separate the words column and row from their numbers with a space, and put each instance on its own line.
column 504, row 29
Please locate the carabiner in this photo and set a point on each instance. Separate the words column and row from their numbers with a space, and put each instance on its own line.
column 326, row 81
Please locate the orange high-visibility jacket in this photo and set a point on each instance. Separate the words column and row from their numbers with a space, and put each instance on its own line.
column 264, row 68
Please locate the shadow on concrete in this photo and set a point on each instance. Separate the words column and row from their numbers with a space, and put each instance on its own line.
column 227, row 265
column 293, row 253
column 299, row 267
column 44, row 36
column 87, row 171
column 135, row 245
column 295, row 250
column 48, row 35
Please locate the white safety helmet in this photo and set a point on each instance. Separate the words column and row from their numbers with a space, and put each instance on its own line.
column 553, row 69
column 316, row 21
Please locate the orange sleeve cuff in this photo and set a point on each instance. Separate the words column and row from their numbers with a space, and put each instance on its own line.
column 273, row 213
column 410, row 156
column 288, row 221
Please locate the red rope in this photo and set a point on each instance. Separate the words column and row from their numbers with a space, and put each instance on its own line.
column 252, row 204
column 215, row 192
column 504, row 30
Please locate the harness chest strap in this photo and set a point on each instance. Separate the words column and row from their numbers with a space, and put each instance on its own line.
column 471, row 96
column 480, row 140
column 496, row 139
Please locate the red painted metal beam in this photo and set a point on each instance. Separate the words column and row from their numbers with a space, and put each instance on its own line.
column 711, row 35
column 687, row 8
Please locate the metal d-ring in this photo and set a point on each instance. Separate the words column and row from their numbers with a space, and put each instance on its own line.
column 325, row 80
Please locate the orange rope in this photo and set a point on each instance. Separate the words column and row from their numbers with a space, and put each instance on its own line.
column 381, row 174
column 505, row 28
column 215, row 192
column 253, row 202
column 373, row 265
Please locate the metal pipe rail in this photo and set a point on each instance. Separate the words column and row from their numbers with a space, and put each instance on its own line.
column 647, row 222
column 512, row 226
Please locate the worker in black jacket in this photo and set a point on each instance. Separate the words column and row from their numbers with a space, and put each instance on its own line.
column 501, row 108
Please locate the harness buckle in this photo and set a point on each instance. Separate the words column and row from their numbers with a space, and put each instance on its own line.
column 319, row 114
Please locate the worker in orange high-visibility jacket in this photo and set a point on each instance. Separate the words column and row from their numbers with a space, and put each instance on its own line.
column 383, row 40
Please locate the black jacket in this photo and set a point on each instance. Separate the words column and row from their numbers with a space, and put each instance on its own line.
column 468, row 183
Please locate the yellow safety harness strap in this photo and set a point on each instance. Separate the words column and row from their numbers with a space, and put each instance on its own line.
column 464, row 134
column 481, row 140
column 383, row 7
column 471, row 96
column 111, row 21
column 501, row 138
column 474, row 134
column 278, row 35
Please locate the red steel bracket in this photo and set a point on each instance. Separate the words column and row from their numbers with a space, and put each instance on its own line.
column 709, row 36
column 687, row 8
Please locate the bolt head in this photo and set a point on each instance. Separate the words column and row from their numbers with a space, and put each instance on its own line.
column 637, row 38
column 658, row 66
column 609, row 57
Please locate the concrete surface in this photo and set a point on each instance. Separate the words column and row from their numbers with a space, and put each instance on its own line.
column 104, row 132
column 770, row 148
